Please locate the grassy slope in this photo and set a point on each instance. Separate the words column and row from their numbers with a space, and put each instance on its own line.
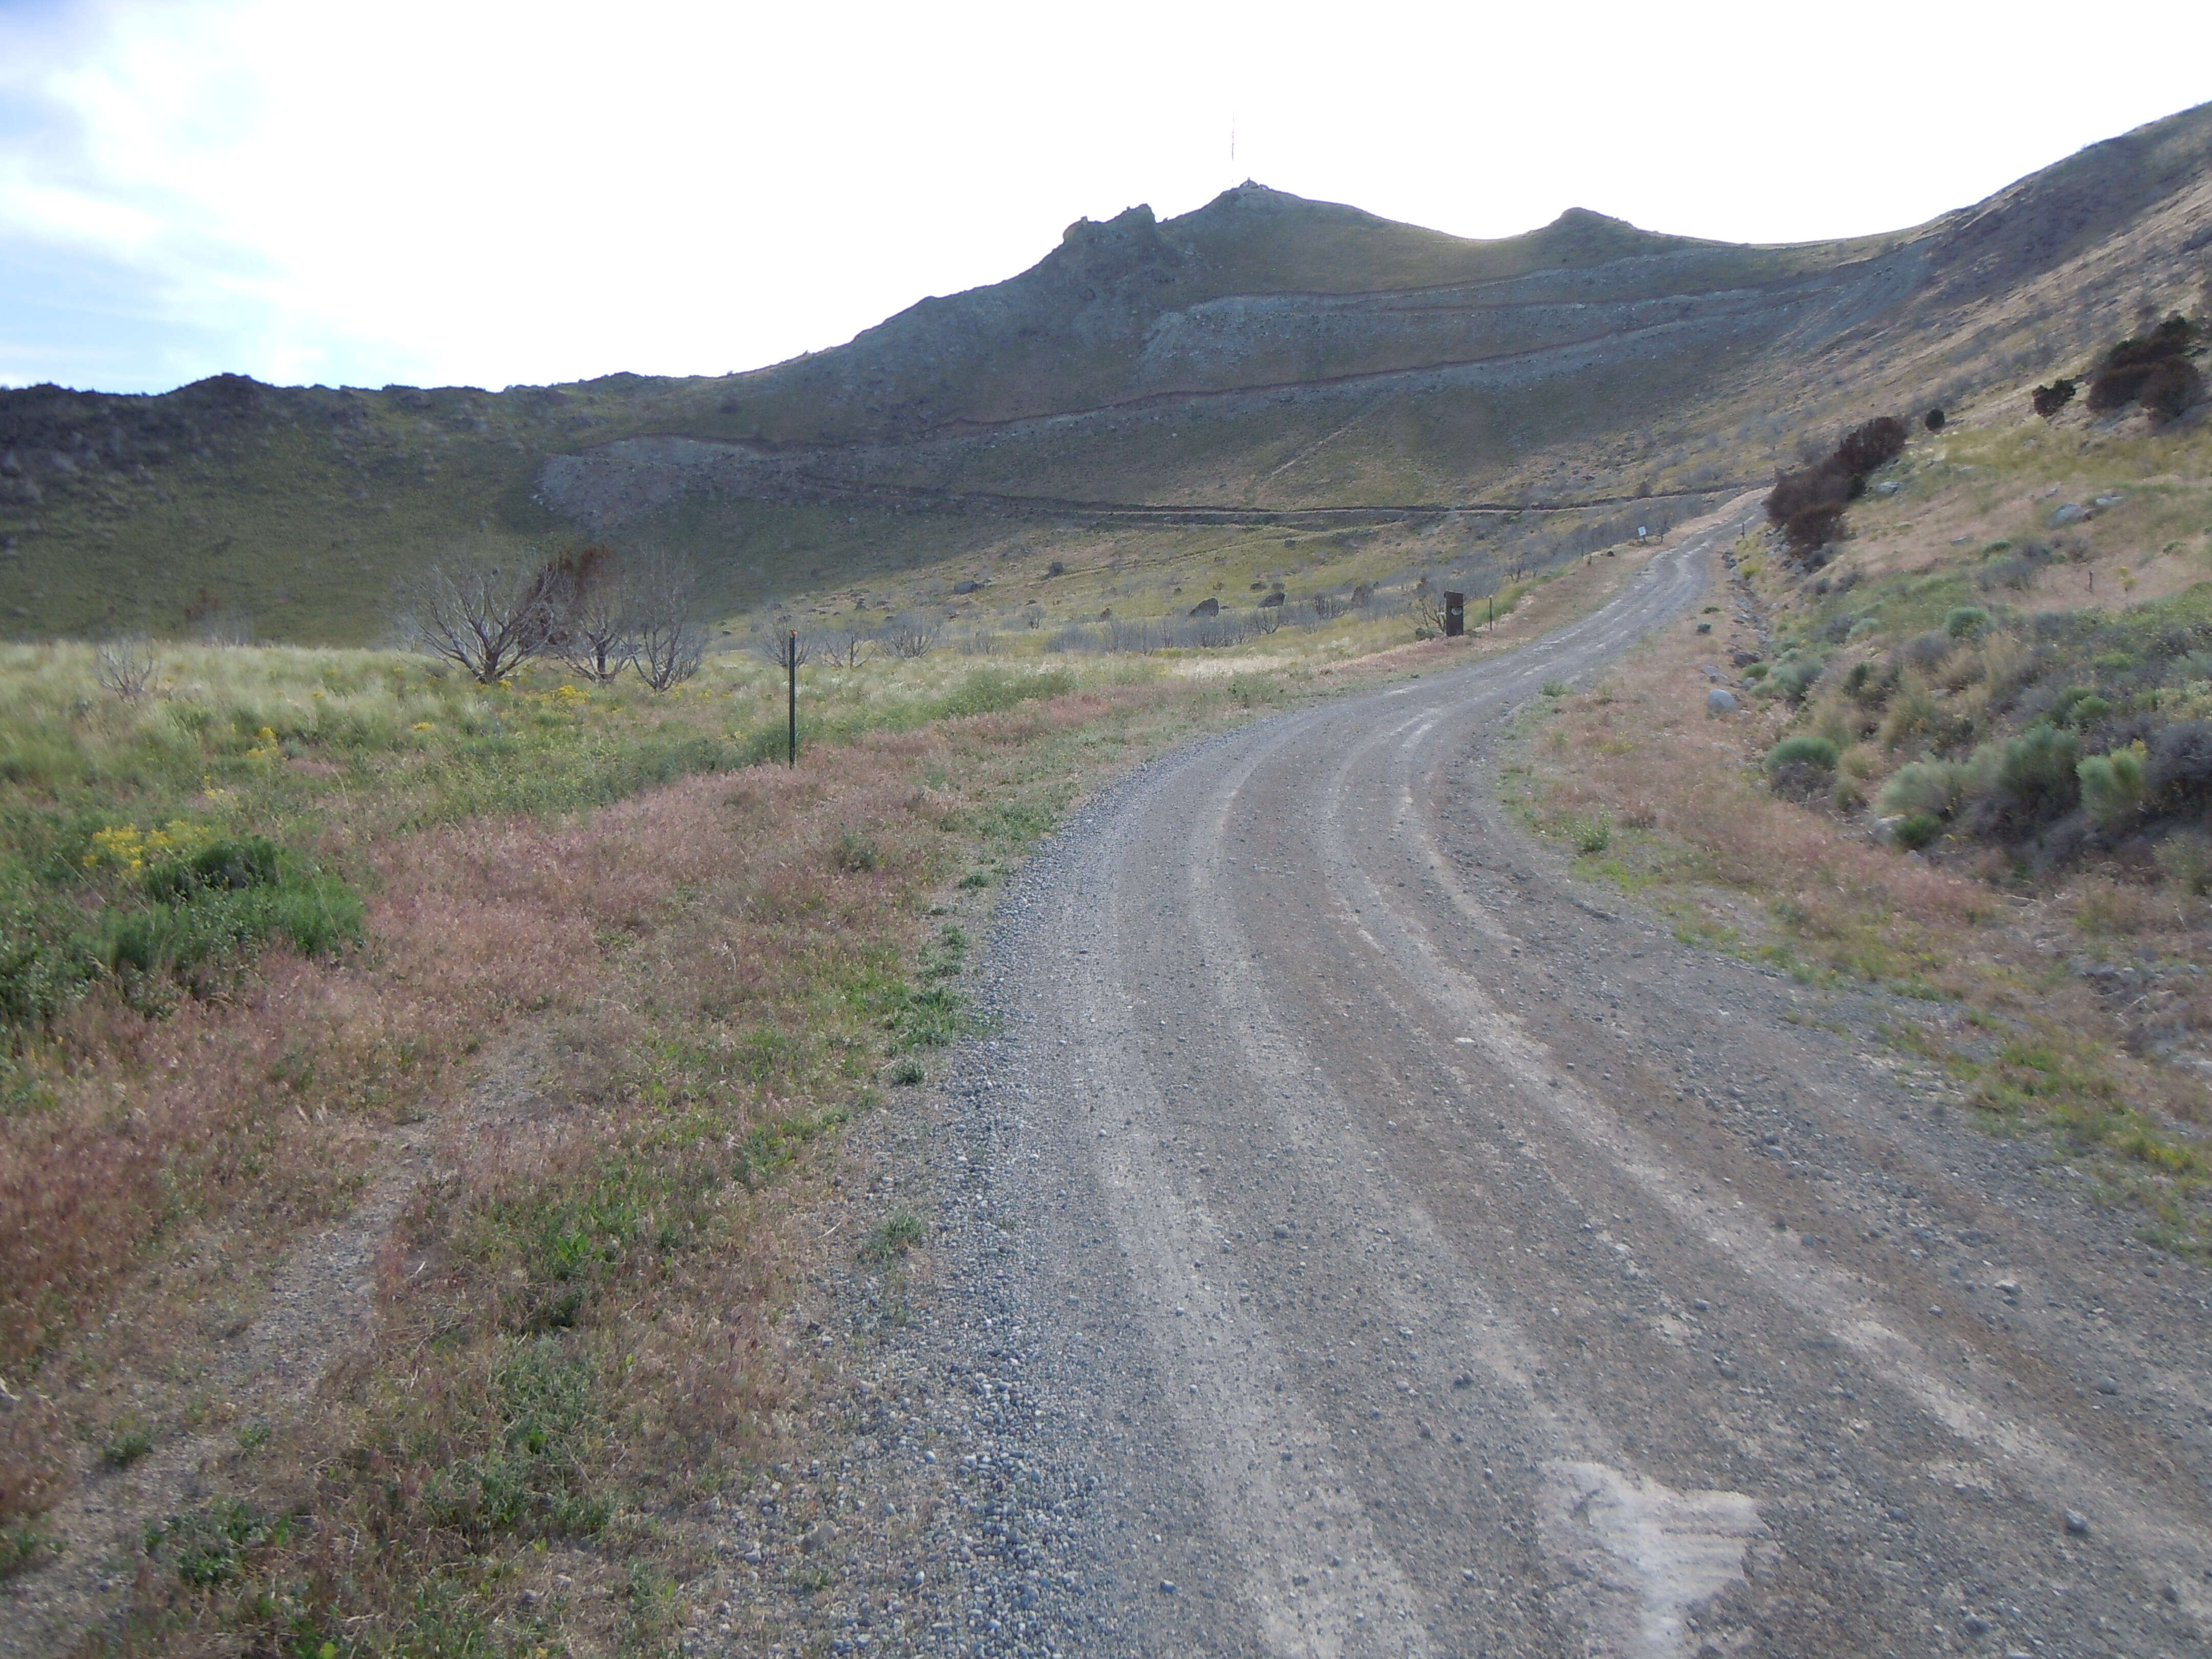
column 2064, row 999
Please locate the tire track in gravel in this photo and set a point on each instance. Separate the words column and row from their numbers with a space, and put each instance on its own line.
column 1402, row 1254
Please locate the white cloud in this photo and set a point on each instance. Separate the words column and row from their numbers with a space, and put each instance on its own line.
column 501, row 192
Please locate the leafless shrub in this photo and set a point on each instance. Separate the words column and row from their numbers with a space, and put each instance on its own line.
column 593, row 632
column 666, row 641
column 1268, row 619
column 783, row 645
column 983, row 643
column 1426, row 606
column 909, row 636
column 487, row 615
column 848, row 645
column 125, row 665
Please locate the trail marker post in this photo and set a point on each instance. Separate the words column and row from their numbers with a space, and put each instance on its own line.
column 791, row 667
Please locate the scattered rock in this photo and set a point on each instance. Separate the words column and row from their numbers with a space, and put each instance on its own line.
column 2072, row 512
column 1720, row 702
column 967, row 587
column 2108, row 1385
column 2077, row 1523
column 1206, row 607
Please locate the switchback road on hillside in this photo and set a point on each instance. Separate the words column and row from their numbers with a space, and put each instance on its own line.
column 1396, row 1248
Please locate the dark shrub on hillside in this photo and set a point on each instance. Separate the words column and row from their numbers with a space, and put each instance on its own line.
column 1933, row 420
column 2170, row 388
column 2050, row 400
column 1916, row 829
column 2037, row 777
column 1873, row 444
column 2180, row 769
column 1808, row 505
column 2125, row 372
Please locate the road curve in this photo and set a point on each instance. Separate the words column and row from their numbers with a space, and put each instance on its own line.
column 1406, row 1252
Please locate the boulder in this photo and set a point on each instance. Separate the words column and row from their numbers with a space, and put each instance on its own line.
column 1206, row 607
column 1720, row 701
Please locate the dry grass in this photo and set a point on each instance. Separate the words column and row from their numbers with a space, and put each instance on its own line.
column 588, row 1317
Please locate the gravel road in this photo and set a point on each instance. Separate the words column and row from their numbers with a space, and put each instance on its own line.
column 1358, row 1237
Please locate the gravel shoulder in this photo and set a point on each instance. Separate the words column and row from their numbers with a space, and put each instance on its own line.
column 1354, row 1237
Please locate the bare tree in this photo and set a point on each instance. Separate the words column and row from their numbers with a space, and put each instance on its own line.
column 784, row 646
column 847, row 645
column 593, row 634
column 909, row 636
column 666, row 641
column 125, row 665
column 1427, row 605
column 488, row 615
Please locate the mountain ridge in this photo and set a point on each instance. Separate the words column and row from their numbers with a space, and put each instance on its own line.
column 1262, row 353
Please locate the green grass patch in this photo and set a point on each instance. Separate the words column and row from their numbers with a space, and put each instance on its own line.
column 894, row 1237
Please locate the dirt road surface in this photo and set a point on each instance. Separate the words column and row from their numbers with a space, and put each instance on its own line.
column 1373, row 1241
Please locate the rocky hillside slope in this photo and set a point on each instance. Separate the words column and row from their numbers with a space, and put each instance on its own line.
column 1264, row 359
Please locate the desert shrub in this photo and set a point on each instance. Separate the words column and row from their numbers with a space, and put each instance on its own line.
column 2112, row 786
column 1870, row 445
column 1868, row 686
column 2169, row 388
column 1807, row 506
column 1925, row 650
column 2125, row 373
column 1917, row 829
column 2050, row 400
column 1817, row 753
column 1933, row 420
column 1928, row 788
column 1795, row 676
column 1589, row 832
column 2077, row 706
column 2037, row 776
column 2186, row 859
column 2180, row 767
column 1966, row 622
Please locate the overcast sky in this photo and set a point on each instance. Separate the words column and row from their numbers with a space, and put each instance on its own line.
column 482, row 193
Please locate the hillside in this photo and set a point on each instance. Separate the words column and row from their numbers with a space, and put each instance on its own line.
column 1262, row 361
